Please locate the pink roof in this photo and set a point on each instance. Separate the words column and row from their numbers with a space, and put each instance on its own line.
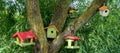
column 72, row 37
column 25, row 35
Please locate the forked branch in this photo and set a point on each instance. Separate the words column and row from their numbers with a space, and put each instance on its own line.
column 77, row 23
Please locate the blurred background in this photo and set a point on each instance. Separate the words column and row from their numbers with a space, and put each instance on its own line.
column 100, row 34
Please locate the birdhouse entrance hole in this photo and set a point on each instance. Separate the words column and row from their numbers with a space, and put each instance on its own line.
column 105, row 11
column 51, row 31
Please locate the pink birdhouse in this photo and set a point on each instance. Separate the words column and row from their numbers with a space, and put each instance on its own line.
column 70, row 40
column 24, row 38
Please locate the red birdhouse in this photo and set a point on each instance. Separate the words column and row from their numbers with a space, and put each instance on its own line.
column 24, row 38
column 70, row 40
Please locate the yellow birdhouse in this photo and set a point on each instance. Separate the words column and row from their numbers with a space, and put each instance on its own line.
column 51, row 31
column 104, row 11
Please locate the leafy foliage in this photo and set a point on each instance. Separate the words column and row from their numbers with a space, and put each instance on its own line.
column 100, row 35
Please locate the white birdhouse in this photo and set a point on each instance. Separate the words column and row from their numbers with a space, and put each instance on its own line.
column 104, row 11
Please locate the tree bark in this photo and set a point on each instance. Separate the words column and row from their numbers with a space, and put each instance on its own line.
column 60, row 14
column 77, row 23
column 35, row 20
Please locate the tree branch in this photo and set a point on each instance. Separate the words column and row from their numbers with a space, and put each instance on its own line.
column 60, row 14
column 77, row 23
column 35, row 20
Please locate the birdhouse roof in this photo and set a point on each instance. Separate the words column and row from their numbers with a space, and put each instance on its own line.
column 25, row 35
column 52, row 26
column 103, row 8
column 72, row 37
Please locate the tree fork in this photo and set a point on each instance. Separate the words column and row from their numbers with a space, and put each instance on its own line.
column 77, row 23
column 36, row 23
column 60, row 14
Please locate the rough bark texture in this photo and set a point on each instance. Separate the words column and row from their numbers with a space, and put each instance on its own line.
column 60, row 14
column 77, row 23
column 35, row 20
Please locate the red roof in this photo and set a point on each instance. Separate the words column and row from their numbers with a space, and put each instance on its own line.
column 72, row 37
column 25, row 35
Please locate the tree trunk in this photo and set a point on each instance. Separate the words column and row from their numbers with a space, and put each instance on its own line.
column 35, row 20
column 60, row 14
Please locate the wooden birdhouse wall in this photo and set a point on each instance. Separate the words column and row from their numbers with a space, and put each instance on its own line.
column 51, row 33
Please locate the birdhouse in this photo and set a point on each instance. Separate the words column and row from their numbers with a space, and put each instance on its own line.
column 24, row 38
column 72, row 42
column 71, row 10
column 104, row 11
column 51, row 31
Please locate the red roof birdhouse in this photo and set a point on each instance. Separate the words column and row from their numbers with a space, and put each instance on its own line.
column 24, row 38
column 104, row 11
column 70, row 40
